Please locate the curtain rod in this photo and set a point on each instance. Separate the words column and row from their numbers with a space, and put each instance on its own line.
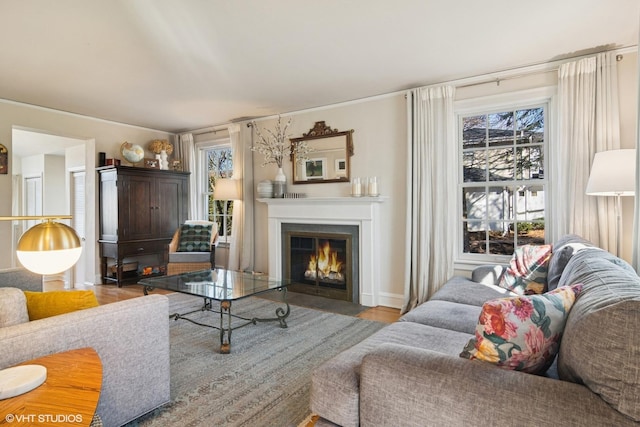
column 497, row 80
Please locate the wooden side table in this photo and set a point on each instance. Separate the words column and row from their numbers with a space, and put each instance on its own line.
column 68, row 397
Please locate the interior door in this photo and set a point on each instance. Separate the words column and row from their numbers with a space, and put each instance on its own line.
column 32, row 199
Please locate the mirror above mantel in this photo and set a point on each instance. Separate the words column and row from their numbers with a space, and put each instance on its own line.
column 328, row 156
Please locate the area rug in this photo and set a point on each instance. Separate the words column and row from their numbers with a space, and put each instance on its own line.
column 266, row 378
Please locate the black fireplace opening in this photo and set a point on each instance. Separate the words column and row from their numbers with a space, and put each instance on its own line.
column 321, row 260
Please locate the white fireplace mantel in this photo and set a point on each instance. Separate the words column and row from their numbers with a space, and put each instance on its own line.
column 360, row 211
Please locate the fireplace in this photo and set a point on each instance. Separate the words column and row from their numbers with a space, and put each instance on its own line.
column 322, row 259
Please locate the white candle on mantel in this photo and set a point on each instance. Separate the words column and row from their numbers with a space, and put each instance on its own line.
column 373, row 186
column 356, row 187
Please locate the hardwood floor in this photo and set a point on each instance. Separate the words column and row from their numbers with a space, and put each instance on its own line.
column 110, row 293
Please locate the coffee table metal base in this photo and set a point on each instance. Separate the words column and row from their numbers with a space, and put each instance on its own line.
column 225, row 313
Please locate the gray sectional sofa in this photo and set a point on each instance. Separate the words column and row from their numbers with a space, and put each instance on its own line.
column 410, row 372
column 131, row 337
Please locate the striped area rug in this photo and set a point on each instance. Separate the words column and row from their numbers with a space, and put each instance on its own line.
column 265, row 380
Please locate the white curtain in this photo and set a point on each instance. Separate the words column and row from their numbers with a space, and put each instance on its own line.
column 588, row 122
column 186, row 151
column 432, row 193
column 236, row 246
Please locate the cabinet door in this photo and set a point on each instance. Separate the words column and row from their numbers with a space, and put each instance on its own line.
column 171, row 201
column 138, row 209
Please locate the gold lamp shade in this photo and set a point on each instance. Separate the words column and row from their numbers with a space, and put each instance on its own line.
column 49, row 248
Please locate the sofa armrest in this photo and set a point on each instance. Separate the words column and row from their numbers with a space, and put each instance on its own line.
column 425, row 388
column 488, row 274
column 132, row 339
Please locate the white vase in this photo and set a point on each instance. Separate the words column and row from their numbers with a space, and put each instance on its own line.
column 279, row 184
column 164, row 161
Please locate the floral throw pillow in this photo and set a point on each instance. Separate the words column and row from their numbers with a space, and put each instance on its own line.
column 527, row 271
column 523, row 332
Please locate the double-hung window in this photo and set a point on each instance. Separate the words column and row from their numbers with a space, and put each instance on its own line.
column 502, row 181
column 216, row 162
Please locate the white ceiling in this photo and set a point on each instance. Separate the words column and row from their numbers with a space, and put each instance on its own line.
column 187, row 64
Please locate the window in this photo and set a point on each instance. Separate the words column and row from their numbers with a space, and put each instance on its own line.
column 502, row 188
column 217, row 163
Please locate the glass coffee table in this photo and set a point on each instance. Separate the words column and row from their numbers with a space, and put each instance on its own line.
column 224, row 286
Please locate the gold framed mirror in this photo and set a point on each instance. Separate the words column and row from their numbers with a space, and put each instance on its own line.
column 327, row 159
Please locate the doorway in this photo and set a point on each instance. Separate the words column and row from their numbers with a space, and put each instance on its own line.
column 51, row 170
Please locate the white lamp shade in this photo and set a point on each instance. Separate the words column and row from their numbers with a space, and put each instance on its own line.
column 613, row 173
column 228, row 189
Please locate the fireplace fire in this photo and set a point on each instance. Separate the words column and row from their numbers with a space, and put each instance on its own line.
column 320, row 262
column 325, row 265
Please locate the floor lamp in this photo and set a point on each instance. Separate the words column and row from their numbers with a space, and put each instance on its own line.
column 227, row 189
column 613, row 173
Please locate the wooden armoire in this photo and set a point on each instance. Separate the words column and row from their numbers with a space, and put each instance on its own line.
column 140, row 209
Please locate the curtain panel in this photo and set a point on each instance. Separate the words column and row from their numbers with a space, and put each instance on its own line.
column 432, row 193
column 588, row 122
column 186, row 151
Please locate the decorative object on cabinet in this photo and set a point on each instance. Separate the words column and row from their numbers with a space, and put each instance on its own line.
column 176, row 165
column 133, row 153
column 151, row 163
column 140, row 209
column 162, row 149
column 324, row 146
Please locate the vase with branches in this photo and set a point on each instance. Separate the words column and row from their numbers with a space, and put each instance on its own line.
column 275, row 146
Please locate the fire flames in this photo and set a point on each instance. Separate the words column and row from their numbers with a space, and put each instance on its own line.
column 326, row 265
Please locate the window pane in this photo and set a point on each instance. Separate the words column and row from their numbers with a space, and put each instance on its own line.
column 474, row 166
column 530, row 126
column 529, row 162
column 474, row 203
column 500, row 164
column 474, row 237
column 530, row 203
column 500, row 203
column 474, row 131
column 501, row 238
column 501, row 129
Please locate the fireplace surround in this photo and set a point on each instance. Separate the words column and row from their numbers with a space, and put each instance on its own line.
column 361, row 212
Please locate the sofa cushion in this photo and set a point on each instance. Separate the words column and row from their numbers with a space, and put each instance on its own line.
column 335, row 389
column 600, row 346
column 563, row 250
column 13, row 307
column 195, row 238
column 52, row 303
column 445, row 314
column 464, row 291
column 527, row 271
column 522, row 333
